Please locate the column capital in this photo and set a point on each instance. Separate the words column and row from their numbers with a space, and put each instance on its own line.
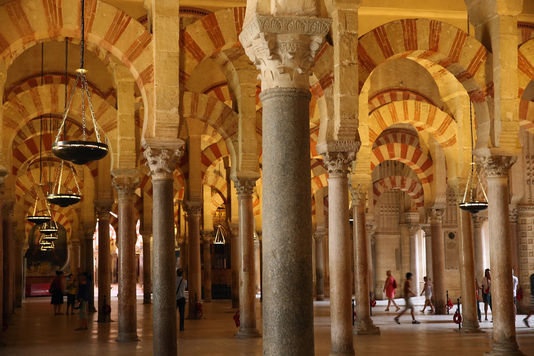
column 319, row 234
column 207, row 236
column 478, row 220
column 87, row 231
column 284, row 48
column 244, row 186
column 193, row 207
column 162, row 156
column 103, row 208
column 7, row 208
column 514, row 214
column 125, row 182
column 497, row 166
column 413, row 228
column 358, row 195
column 427, row 230
column 436, row 215
column 337, row 163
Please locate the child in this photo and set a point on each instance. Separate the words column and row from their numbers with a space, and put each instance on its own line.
column 408, row 293
column 427, row 289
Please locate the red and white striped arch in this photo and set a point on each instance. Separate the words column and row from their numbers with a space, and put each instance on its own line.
column 432, row 40
column 411, row 186
column 421, row 115
column 212, row 154
column 418, row 160
column 398, row 136
column 389, row 95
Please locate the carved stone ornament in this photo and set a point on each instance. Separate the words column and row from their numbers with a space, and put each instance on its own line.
column 284, row 48
column 497, row 166
column 359, row 195
column 436, row 215
column 413, row 229
column 427, row 230
column 102, row 208
column 162, row 160
column 319, row 234
column 337, row 163
column 478, row 220
column 125, row 185
column 193, row 207
column 244, row 187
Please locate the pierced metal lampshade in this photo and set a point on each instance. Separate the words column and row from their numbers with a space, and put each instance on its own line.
column 219, row 236
column 38, row 219
column 51, row 237
column 80, row 152
column 49, row 228
column 43, row 215
column 470, row 202
column 64, row 199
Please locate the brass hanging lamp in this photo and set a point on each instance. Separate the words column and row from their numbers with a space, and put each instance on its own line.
column 80, row 151
column 470, row 202
column 40, row 216
column 67, row 198
column 49, row 228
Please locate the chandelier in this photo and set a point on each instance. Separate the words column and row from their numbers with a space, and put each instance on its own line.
column 80, row 151
column 49, row 228
column 66, row 198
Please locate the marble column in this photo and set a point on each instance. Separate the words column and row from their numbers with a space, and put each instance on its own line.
column 125, row 182
column 207, row 239
column 370, row 229
column 467, row 273
column 19, row 269
column 514, row 237
column 414, row 252
column 257, row 261
column 194, row 281
column 497, row 175
column 8, row 260
column 247, row 291
column 428, row 250
column 339, row 250
column 75, row 255
column 147, row 275
column 364, row 323
column 236, row 260
column 88, row 231
column 438, row 261
column 318, row 236
column 478, row 245
column 162, row 158
column 104, row 260
column 284, row 56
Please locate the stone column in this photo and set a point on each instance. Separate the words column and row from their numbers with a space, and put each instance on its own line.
column 414, row 252
column 257, row 261
column 206, row 252
column 478, row 245
column 125, row 182
column 19, row 269
column 247, row 290
column 194, row 285
column 339, row 252
column 162, row 157
column 318, row 236
column 370, row 229
column 497, row 171
column 104, row 260
column 236, row 260
column 438, row 261
column 88, row 231
column 514, row 237
column 283, row 49
column 467, row 273
column 364, row 323
column 147, row 275
column 75, row 255
column 428, row 250
column 8, row 260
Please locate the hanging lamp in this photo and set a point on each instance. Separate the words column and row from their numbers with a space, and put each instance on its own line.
column 64, row 199
column 80, row 151
column 469, row 202
column 43, row 215
column 49, row 228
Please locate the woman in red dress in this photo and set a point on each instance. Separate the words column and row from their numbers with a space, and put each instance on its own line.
column 389, row 288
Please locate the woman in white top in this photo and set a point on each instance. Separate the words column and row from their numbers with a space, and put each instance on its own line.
column 427, row 289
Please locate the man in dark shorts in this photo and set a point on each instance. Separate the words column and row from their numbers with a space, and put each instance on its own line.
column 408, row 294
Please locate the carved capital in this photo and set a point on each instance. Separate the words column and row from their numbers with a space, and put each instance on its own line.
column 162, row 157
column 497, row 166
column 370, row 227
column 436, row 215
column 358, row 194
column 103, row 208
column 244, row 186
column 413, row 229
column 427, row 230
column 514, row 214
column 478, row 220
column 193, row 207
column 319, row 234
column 207, row 236
column 337, row 163
column 284, row 48
column 7, row 208
column 125, row 183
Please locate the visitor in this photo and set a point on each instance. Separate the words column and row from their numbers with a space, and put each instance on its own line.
column 486, row 292
column 181, row 285
column 515, row 283
column 531, row 311
column 427, row 289
column 477, row 297
column 83, row 297
column 72, row 290
column 389, row 288
column 57, row 290
column 408, row 294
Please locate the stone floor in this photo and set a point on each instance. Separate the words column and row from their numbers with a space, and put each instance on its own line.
column 34, row 330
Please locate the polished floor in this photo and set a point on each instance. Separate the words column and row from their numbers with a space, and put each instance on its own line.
column 34, row 330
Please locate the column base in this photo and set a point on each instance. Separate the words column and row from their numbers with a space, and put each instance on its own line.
column 366, row 328
column 465, row 330
column 130, row 337
column 247, row 334
column 319, row 298
column 504, row 349
column 442, row 310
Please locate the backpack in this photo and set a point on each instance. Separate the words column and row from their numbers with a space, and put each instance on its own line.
column 394, row 284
